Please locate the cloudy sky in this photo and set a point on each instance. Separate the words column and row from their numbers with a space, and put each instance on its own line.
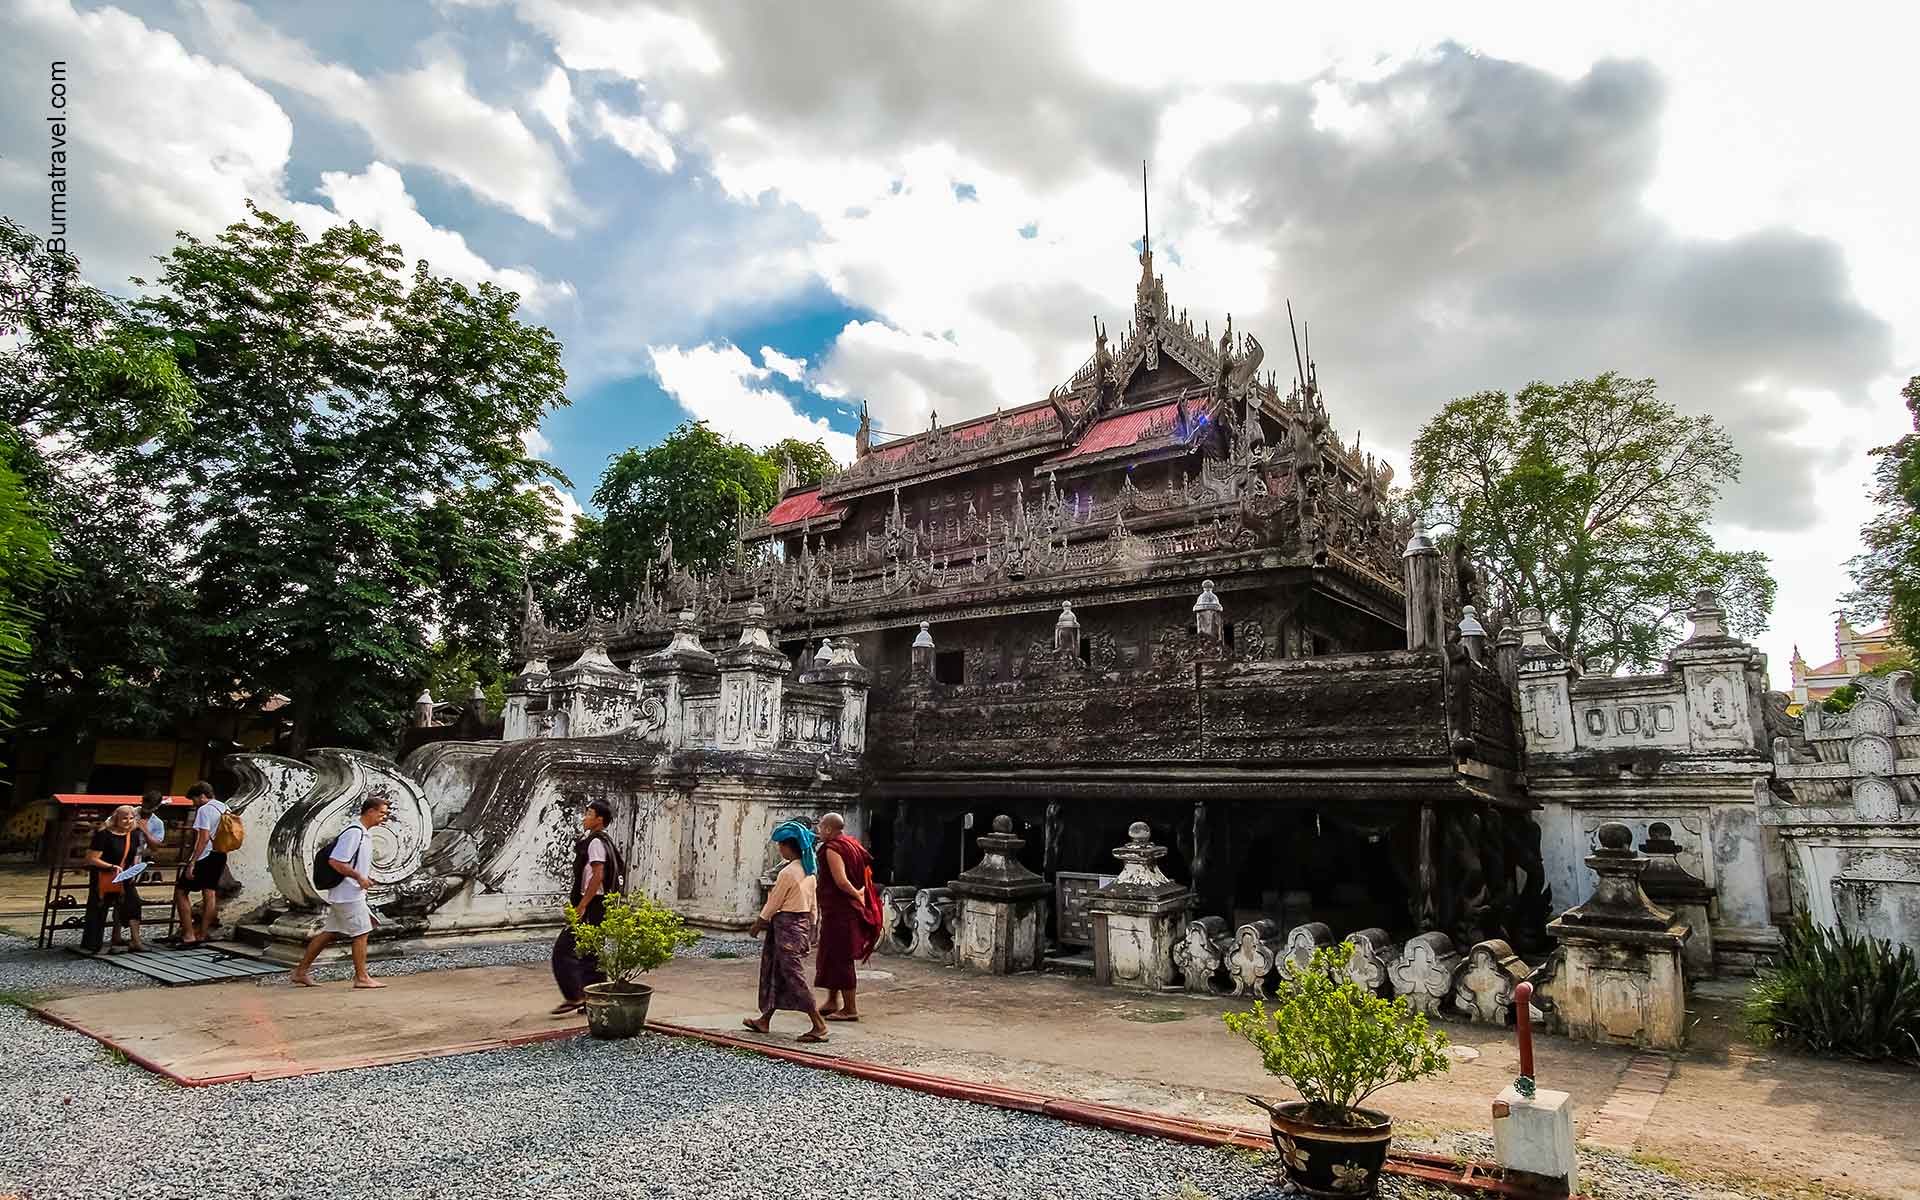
column 762, row 214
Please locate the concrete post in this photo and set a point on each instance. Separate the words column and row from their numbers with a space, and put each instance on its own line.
column 669, row 672
column 1426, row 615
column 1003, row 906
column 1138, row 917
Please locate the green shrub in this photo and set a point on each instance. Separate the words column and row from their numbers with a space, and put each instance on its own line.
column 634, row 935
column 1834, row 992
column 1337, row 1044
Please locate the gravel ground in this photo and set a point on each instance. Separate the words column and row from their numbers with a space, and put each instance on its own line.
column 652, row 1117
column 647, row 1118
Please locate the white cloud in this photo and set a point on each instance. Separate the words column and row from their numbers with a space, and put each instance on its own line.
column 635, row 134
column 793, row 368
column 427, row 116
column 553, row 100
column 161, row 139
column 377, row 197
column 716, row 382
column 627, row 39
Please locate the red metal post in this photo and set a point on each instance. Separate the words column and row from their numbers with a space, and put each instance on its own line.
column 1523, row 1017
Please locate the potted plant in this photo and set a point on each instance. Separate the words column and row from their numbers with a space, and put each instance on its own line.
column 633, row 936
column 1336, row 1044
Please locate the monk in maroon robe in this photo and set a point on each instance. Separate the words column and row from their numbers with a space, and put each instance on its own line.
column 849, row 917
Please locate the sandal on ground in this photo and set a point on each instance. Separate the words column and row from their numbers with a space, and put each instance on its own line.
column 812, row 1038
column 827, row 1012
column 750, row 1023
column 568, row 1006
column 837, row 1015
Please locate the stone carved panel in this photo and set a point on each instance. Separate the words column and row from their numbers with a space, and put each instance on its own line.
column 1374, row 953
column 1256, row 951
column 935, row 915
column 1484, row 991
column 1201, row 954
column 898, row 908
column 1425, row 971
column 1302, row 941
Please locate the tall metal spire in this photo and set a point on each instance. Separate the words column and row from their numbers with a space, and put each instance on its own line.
column 1146, row 222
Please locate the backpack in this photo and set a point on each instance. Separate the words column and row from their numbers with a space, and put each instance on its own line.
column 325, row 874
column 229, row 833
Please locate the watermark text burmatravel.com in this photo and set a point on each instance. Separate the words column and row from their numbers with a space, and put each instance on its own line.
column 57, row 157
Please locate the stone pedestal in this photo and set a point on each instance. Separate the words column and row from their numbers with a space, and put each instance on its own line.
column 1621, row 980
column 1003, row 906
column 1138, row 917
column 1534, row 1134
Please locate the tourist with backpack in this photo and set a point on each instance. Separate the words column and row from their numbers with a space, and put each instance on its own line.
column 597, row 870
column 216, row 832
column 343, row 878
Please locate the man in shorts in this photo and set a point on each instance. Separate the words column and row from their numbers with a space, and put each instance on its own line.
column 202, row 867
column 347, row 912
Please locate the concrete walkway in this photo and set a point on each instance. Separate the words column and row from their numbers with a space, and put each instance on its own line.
column 1724, row 1108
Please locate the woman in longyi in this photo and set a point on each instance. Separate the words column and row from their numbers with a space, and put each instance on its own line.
column 788, row 920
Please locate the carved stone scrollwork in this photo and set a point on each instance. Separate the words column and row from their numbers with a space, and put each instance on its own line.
column 1201, row 955
column 1424, row 972
column 1256, row 951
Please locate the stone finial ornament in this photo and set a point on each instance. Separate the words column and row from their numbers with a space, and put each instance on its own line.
column 824, row 654
column 1140, row 862
column 1424, row 972
column 1708, row 617
column 924, row 639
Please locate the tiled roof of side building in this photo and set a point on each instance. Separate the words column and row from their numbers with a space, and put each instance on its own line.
column 802, row 506
column 1121, row 431
column 1868, row 659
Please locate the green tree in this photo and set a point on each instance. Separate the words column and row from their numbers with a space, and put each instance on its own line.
column 354, row 486
column 1589, row 500
column 571, row 574
column 811, row 462
column 696, row 482
column 27, row 564
column 83, row 383
column 1886, row 579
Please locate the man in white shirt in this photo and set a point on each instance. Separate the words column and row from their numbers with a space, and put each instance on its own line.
column 202, row 867
column 347, row 912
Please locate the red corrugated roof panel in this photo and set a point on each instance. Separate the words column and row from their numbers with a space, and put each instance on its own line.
column 802, row 506
column 1114, row 433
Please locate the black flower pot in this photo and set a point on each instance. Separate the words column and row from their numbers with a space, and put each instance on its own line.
column 1331, row 1160
column 617, row 1010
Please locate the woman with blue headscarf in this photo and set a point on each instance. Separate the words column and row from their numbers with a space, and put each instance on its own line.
column 788, row 921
